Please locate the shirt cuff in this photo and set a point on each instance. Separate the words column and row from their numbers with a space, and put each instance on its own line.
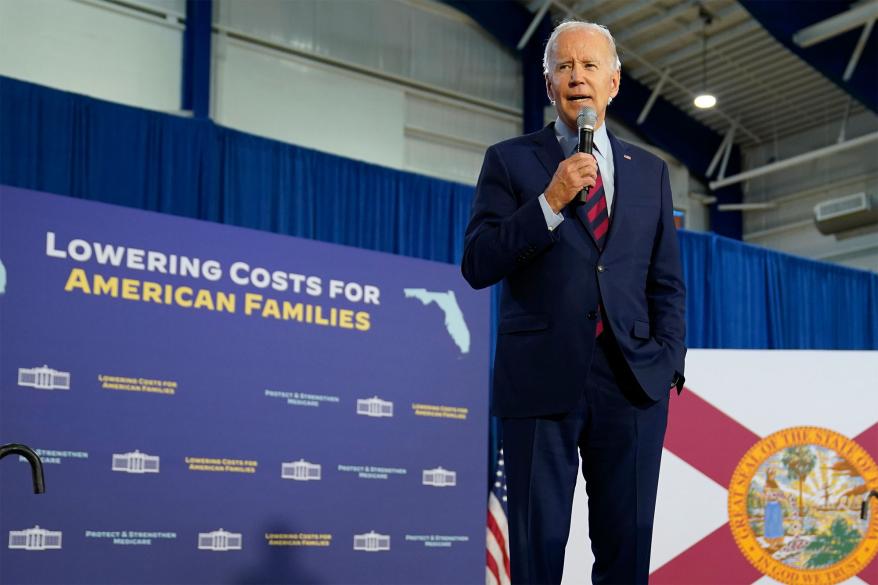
column 553, row 219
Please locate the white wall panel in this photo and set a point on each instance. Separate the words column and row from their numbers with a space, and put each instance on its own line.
column 421, row 40
column 274, row 94
column 448, row 140
column 789, row 227
column 445, row 160
column 93, row 48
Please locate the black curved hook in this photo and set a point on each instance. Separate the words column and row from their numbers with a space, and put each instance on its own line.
column 864, row 507
column 36, row 464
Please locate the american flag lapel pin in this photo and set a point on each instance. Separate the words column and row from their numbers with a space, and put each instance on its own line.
column 626, row 156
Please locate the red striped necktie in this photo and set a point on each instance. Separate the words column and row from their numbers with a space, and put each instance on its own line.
column 598, row 221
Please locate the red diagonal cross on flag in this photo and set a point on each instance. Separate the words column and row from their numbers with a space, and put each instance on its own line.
column 712, row 442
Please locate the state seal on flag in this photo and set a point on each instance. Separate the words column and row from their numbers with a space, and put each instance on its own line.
column 794, row 506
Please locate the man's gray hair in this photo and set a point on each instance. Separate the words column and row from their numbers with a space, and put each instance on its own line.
column 574, row 24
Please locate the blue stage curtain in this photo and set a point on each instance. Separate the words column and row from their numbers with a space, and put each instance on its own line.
column 739, row 296
column 742, row 296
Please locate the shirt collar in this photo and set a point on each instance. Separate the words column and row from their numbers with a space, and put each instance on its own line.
column 601, row 139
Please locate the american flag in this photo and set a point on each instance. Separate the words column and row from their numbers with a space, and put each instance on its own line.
column 497, row 571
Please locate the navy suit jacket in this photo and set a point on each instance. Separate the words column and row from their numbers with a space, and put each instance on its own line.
column 552, row 280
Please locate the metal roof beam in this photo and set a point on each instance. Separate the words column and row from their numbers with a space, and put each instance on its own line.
column 694, row 49
column 794, row 161
column 836, row 25
column 648, row 23
column 858, row 50
column 723, row 147
column 690, row 29
column 722, row 166
column 615, row 16
column 587, row 5
column 780, row 96
column 729, row 77
column 534, row 24
column 799, row 101
column 653, row 96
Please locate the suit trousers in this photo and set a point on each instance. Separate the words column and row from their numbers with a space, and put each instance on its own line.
column 619, row 432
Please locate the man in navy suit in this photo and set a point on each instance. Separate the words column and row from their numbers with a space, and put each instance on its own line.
column 591, row 332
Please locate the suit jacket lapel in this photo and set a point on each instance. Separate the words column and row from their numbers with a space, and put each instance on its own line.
column 549, row 151
column 622, row 168
column 579, row 211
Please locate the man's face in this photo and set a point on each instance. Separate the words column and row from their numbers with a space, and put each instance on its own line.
column 582, row 73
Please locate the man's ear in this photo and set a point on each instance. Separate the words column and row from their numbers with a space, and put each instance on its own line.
column 550, row 91
column 615, row 82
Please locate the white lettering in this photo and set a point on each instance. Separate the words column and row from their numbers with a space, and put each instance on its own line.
column 236, row 269
column 371, row 294
column 314, row 286
column 212, row 270
column 353, row 292
column 335, row 287
column 51, row 251
column 79, row 250
column 260, row 277
column 156, row 261
column 135, row 258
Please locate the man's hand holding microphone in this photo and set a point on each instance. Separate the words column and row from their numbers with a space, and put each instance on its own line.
column 575, row 175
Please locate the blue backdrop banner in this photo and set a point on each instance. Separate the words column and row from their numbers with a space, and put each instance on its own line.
column 220, row 405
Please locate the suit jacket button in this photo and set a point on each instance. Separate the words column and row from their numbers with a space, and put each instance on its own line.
column 601, row 268
column 592, row 315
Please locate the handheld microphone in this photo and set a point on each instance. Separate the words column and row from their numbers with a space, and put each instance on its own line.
column 585, row 121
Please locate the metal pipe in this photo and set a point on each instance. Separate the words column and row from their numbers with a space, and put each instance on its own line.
column 728, row 152
column 533, row 24
column 796, row 160
column 836, row 25
column 719, row 152
column 858, row 50
column 745, row 206
column 652, row 97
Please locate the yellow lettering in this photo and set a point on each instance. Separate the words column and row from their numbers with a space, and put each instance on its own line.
column 77, row 279
column 203, row 300
column 108, row 286
column 252, row 302
column 130, row 289
column 292, row 311
column 271, row 309
column 363, row 321
column 346, row 319
column 152, row 292
column 225, row 302
column 183, row 296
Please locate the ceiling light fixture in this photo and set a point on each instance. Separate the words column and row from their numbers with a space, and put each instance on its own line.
column 704, row 99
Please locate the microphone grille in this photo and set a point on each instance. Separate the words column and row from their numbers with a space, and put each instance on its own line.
column 587, row 117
